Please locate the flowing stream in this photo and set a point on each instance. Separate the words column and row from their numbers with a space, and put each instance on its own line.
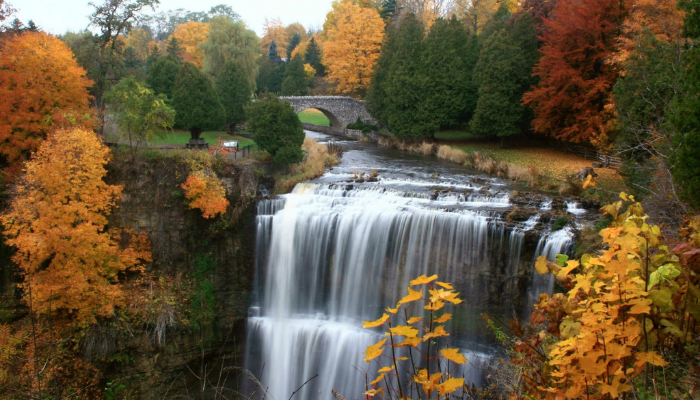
column 335, row 252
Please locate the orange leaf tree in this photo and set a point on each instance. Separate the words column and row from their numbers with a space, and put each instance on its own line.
column 190, row 36
column 41, row 86
column 57, row 220
column 205, row 192
column 572, row 100
column 352, row 48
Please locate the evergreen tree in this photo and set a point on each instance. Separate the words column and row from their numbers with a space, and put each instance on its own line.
column 293, row 43
column 153, row 56
column 174, row 49
column 272, row 55
column 276, row 129
column 294, row 83
column 131, row 58
column 387, row 10
column 195, row 101
column 234, row 93
column 499, row 74
column 270, row 76
column 686, row 119
column 313, row 57
column 163, row 74
column 449, row 68
column 376, row 100
column 404, row 112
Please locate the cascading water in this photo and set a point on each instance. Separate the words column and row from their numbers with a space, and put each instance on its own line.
column 334, row 253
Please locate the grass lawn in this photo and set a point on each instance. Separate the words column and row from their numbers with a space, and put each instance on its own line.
column 313, row 116
column 182, row 137
column 528, row 153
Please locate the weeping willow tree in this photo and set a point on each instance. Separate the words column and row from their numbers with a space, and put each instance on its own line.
column 230, row 40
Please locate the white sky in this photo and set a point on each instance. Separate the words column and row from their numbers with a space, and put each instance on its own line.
column 59, row 16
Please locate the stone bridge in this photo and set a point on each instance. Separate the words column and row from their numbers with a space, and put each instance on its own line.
column 340, row 110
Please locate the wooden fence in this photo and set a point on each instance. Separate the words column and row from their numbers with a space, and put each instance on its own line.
column 589, row 153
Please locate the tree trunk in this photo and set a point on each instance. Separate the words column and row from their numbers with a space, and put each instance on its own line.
column 195, row 132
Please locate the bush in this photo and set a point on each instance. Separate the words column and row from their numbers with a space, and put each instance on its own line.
column 559, row 223
column 276, row 129
column 361, row 126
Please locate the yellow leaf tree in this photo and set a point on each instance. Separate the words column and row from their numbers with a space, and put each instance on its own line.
column 274, row 30
column 56, row 221
column 41, row 87
column 190, row 36
column 353, row 46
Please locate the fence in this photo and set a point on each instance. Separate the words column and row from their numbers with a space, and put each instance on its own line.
column 243, row 152
column 608, row 161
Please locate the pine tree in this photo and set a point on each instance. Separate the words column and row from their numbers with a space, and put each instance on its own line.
column 377, row 99
column 387, row 10
column 195, row 101
column 234, row 93
column 313, row 57
column 174, row 49
column 294, row 83
column 270, row 76
column 449, row 73
column 272, row 55
column 500, row 66
column 163, row 74
column 153, row 56
column 293, row 43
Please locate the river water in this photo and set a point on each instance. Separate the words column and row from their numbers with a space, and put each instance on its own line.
column 335, row 252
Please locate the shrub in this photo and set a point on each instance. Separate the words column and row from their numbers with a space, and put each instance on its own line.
column 559, row 223
column 205, row 192
column 276, row 128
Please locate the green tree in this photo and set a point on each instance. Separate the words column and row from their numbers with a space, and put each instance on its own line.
column 313, row 57
column 686, row 118
column 230, row 40
column 294, row 83
column 276, row 129
column 377, row 99
column 387, row 10
column 293, row 43
column 195, row 101
column 234, row 93
column 499, row 74
column 270, row 76
column 449, row 94
column 153, row 56
column 162, row 75
column 140, row 113
column 174, row 49
column 272, row 54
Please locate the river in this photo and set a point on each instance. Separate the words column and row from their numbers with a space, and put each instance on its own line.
column 335, row 252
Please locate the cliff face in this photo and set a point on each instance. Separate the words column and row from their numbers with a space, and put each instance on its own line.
column 153, row 202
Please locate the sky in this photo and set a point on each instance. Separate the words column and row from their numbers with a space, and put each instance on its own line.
column 59, row 16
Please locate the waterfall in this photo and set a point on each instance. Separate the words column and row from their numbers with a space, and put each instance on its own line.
column 549, row 245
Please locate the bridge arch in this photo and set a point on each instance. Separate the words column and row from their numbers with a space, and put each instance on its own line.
column 340, row 110
column 335, row 122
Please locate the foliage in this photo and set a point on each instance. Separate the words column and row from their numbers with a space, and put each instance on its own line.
column 202, row 310
column 234, row 93
column 140, row 113
column 57, row 224
column 273, row 31
column 164, row 23
column 270, row 76
column 559, row 223
column 623, row 310
column 419, row 334
column 162, row 75
column 361, row 126
column 191, row 36
column 174, row 49
column 276, row 129
column 195, row 101
column 205, row 192
column 294, row 41
column 313, row 56
column 353, row 47
column 295, row 82
column 477, row 12
column 41, row 88
column 572, row 100
column 230, row 40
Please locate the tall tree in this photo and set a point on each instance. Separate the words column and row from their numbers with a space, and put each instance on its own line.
column 388, row 10
column 190, row 37
column 294, row 41
column 377, row 99
column 273, row 55
column 41, row 87
column 312, row 56
column 230, row 40
column 6, row 10
column 450, row 94
column 162, row 75
column 572, row 100
column 294, row 83
column 174, row 49
column 476, row 12
column 353, row 47
column 57, row 222
column 139, row 112
column 270, row 76
column 195, row 101
column 234, row 93
column 274, row 31
column 276, row 129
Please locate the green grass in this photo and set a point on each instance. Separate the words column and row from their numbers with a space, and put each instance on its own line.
column 182, row 137
column 313, row 116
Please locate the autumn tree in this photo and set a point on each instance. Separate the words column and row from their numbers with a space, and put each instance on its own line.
column 276, row 129
column 162, row 75
column 41, row 88
column 476, row 12
column 190, row 37
column 353, row 47
column 195, row 101
column 140, row 40
column 234, row 93
column 572, row 100
column 230, row 40
column 57, row 221
column 140, row 113
column 5, row 10
column 273, row 30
